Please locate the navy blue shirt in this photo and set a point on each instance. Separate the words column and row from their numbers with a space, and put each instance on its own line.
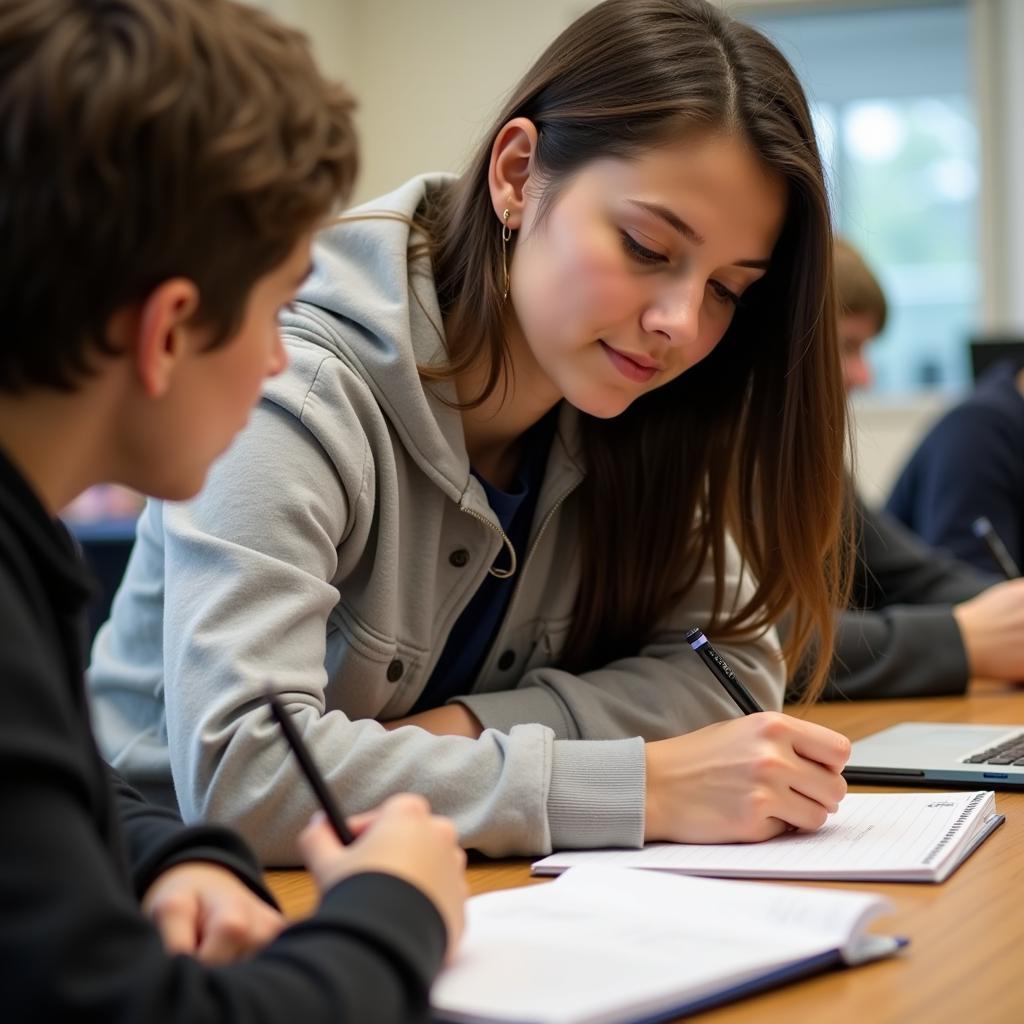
column 970, row 464
column 475, row 629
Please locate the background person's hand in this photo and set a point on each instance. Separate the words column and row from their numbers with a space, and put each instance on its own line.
column 203, row 909
column 744, row 780
column 400, row 838
column 992, row 629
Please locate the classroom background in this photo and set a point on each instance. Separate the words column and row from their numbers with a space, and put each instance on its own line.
column 919, row 112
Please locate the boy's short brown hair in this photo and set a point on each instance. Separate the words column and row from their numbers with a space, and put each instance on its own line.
column 147, row 139
column 856, row 286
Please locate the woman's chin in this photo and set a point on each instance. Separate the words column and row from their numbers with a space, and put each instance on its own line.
column 601, row 407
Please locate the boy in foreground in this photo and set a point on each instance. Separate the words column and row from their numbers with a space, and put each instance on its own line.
column 164, row 165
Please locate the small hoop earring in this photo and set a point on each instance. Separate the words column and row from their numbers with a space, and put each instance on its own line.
column 506, row 235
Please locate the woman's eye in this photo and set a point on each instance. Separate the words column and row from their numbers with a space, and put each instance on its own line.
column 725, row 294
column 639, row 252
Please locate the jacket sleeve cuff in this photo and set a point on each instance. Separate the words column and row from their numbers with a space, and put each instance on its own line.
column 526, row 706
column 597, row 794
column 210, row 845
column 942, row 648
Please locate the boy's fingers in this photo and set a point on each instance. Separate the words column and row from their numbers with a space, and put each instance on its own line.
column 405, row 803
column 317, row 841
column 223, row 942
column 177, row 927
column 359, row 823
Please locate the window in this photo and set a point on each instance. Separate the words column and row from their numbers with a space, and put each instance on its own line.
column 891, row 96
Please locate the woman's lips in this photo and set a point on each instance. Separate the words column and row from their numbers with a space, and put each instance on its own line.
column 629, row 366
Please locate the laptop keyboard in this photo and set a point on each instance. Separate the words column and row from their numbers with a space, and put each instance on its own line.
column 1010, row 751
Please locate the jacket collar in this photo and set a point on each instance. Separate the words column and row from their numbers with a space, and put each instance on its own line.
column 385, row 322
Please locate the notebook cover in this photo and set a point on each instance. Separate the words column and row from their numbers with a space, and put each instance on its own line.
column 778, row 977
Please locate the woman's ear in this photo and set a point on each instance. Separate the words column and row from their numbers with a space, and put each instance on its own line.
column 164, row 334
column 512, row 162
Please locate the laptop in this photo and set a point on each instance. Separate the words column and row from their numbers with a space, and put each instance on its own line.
column 933, row 753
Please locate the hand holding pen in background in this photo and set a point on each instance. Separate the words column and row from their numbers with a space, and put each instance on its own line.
column 984, row 530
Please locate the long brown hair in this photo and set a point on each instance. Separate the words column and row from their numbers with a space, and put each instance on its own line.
column 752, row 439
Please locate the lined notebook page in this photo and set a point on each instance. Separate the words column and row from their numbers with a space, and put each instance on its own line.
column 876, row 835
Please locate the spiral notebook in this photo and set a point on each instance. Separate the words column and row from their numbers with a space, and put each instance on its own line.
column 610, row 946
column 877, row 837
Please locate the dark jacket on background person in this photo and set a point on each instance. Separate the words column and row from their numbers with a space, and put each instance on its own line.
column 970, row 464
column 900, row 638
column 79, row 848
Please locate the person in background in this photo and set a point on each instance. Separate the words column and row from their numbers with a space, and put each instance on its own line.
column 921, row 622
column 970, row 464
column 165, row 164
column 539, row 420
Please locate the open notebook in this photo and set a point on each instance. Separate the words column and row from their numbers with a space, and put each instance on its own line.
column 607, row 946
column 881, row 837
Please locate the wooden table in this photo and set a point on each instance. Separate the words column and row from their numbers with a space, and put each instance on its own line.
column 965, row 962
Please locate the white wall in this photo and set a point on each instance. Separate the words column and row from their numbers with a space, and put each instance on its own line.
column 885, row 433
column 330, row 24
column 429, row 74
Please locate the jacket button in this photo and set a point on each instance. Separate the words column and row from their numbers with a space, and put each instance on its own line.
column 395, row 670
column 459, row 557
column 507, row 660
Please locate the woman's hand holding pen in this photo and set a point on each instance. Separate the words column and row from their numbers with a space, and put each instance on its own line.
column 401, row 838
column 744, row 780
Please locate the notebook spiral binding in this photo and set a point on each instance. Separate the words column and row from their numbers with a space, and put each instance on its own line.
column 954, row 828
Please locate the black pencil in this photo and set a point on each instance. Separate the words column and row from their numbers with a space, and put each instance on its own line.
column 309, row 769
column 719, row 668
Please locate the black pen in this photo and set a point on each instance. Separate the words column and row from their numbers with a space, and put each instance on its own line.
column 309, row 769
column 719, row 668
column 984, row 530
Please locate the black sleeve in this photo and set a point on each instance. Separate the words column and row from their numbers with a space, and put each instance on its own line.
column 968, row 465
column 74, row 945
column 156, row 840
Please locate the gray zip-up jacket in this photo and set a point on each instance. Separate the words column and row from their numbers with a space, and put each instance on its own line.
column 331, row 552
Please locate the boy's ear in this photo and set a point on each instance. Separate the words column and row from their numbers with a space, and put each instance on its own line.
column 164, row 333
column 512, row 159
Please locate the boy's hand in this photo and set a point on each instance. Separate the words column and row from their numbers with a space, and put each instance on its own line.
column 744, row 780
column 400, row 838
column 204, row 910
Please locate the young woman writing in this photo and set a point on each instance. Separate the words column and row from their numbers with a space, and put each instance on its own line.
column 538, row 420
